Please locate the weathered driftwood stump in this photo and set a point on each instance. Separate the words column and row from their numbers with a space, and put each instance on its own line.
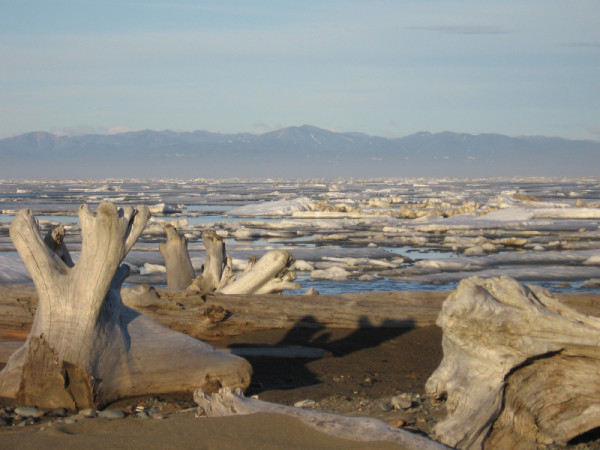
column 270, row 274
column 216, row 271
column 85, row 348
column 180, row 272
column 519, row 367
column 226, row 402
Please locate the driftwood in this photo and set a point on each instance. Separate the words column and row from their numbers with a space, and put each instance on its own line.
column 270, row 274
column 85, row 348
column 226, row 402
column 214, row 316
column 54, row 239
column 519, row 369
column 217, row 271
column 180, row 272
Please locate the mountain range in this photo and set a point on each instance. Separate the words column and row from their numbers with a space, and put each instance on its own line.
column 292, row 152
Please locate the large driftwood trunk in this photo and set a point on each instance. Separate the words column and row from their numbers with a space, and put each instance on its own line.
column 214, row 316
column 85, row 348
column 217, row 315
column 227, row 402
column 519, row 367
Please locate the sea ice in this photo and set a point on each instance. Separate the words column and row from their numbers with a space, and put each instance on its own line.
column 420, row 231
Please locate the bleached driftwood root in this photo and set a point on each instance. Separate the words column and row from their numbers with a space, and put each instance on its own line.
column 270, row 274
column 226, row 402
column 87, row 349
column 519, row 367
column 217, row 271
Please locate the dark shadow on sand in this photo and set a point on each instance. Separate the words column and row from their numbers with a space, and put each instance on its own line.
column 290, row 373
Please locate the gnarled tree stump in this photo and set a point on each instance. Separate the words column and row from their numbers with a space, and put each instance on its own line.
column 87, row 349
column 519, row 367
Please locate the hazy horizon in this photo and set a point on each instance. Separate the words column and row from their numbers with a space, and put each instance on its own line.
column 114, row 132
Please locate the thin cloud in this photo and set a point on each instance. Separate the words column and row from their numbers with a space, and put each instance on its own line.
column 464, row 29
column 120, row 130
column 584, row 44
column 594, row 129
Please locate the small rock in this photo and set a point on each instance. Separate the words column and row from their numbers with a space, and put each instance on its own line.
column 88, row 413
column 398, row 423
column 142, row 415
column 304, row 404
column 28, row 421
column 60, row 412
column 111, row 414
column 385, row 405
column 400, row 402
column 27, row 411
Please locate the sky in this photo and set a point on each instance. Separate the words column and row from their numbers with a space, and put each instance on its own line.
column 385, row 68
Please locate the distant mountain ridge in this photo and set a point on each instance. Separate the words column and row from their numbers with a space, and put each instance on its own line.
column 293, row 152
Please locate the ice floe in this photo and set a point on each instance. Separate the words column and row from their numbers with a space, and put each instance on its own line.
column 399, row 233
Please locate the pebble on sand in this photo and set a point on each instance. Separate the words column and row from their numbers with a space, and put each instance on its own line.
column 28, row 411
column 400, row 402
column 111, row 414
column 88, row 413
column 304, row 404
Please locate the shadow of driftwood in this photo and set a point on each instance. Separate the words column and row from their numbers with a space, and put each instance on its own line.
column 289, row 373
column 366, row 335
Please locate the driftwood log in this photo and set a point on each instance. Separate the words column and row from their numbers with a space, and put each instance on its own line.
column 270, row 274
column 85, row 347
column 214, row 316
column 519, row 369
column 226, row 402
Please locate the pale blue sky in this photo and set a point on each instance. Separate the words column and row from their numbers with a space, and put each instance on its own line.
column 388, row 68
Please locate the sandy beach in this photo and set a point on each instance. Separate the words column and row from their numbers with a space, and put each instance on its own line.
column 361, row 370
